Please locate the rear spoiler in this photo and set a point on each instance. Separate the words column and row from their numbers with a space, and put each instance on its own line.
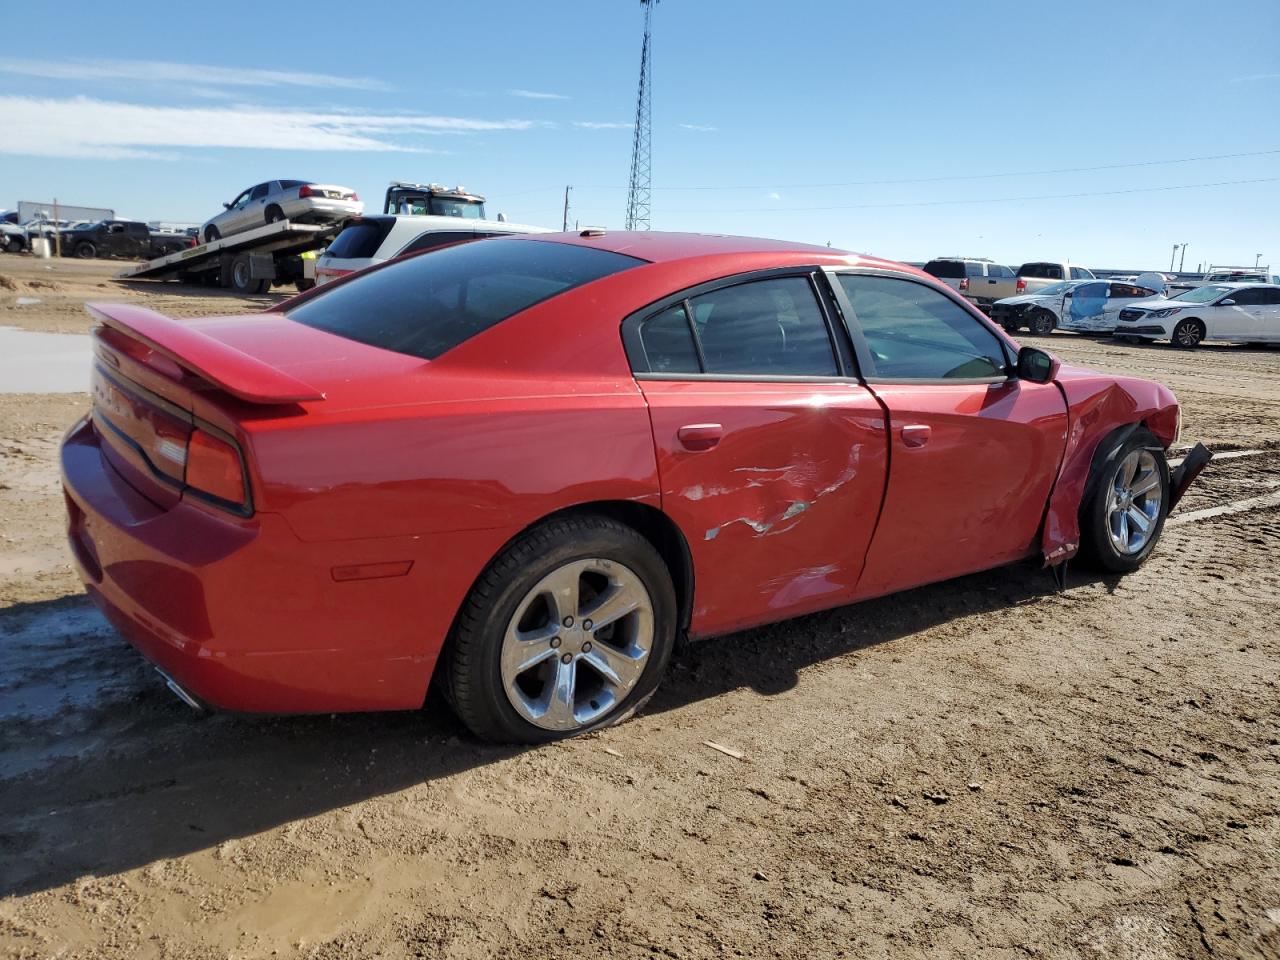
column 227, row 368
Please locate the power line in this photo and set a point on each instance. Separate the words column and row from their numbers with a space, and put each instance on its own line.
column 759, row 208
column 959, row 177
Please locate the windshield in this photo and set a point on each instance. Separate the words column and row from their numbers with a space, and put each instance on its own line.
column 443, row 207
column 409, row 203
column 1056, row 289
column 1202, row 294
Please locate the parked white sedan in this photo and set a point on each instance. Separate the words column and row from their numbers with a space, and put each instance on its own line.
column 1241, row 312
column 1085, row 306
column 299, row 200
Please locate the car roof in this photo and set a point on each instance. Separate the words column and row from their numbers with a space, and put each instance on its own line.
column 657, row 246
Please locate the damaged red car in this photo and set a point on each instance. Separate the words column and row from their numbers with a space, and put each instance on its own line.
column 526, row 467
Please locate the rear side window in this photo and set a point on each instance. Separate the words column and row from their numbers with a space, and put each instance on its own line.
column 290, row 184
column 996, row 270
column 767, row 327
column 973, row 270
column 1080, row 273
column 423, row 306
column 668, row 342
column 945, row 269
column 439, row 238
column 361, row 239
column 915, row 333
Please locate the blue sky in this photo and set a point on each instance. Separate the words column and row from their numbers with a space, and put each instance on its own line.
column 905, row 130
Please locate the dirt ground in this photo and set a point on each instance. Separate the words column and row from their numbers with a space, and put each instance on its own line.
column 977, row 768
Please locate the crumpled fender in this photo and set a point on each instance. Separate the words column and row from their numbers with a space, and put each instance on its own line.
column 1101, row 409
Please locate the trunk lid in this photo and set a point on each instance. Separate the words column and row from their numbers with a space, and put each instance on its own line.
column 166, row 393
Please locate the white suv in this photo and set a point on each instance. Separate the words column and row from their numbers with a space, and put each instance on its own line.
column 1242, row 312
column 371, row 240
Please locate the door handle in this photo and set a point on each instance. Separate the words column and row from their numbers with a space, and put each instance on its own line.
column 916, row 435
column 700, row 436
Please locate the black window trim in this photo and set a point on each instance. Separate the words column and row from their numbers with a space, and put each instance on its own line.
column 863, row 352
column 846, row 364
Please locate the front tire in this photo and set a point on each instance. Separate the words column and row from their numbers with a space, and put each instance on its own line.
column 211, row 234
column 1188, row 333
column 570, row 629
column 1042, row 323
column 1124, row 516
column 86, row 250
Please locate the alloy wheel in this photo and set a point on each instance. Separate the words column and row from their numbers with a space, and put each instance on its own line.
column 577, row 644
column 1134, row 501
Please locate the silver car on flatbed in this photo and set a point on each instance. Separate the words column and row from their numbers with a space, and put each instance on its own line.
column 298, row 200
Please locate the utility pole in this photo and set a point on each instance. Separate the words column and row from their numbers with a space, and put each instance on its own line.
column 57, row 231
column 1172, row 257
column 1257, row 259
column 565, row 223
column 1183, row 258
column 639, row 189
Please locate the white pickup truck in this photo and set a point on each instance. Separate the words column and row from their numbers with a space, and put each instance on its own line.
column 1038, row 274
column 1223, row 274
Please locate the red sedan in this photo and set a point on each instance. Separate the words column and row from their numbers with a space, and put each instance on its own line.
column 532, row 463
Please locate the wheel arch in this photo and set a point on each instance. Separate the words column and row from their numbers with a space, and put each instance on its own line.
column 655, row 526
column 651, row 523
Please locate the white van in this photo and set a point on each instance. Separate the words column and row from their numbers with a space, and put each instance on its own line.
column 366, row 241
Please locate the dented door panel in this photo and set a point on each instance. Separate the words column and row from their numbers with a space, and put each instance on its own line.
column 973, row 496
column 778, row 513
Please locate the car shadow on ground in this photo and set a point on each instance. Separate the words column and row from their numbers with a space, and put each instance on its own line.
column 155, row 780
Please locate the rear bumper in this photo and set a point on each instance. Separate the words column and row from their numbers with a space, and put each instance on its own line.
column 312, row 208
column 240, row 612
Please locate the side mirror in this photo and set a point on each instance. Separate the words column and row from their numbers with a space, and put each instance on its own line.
column 1226, row 303
column 226, row 206
column 1037, row 366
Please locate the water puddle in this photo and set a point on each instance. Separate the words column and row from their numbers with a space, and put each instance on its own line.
column 43, row 362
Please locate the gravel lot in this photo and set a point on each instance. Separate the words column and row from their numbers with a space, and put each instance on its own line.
column 982, row 767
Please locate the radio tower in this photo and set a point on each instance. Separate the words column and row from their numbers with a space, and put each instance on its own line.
column 641, row 144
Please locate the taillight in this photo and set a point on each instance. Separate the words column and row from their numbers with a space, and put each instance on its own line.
column 214, row 467
column 354, row 195
column 305, row 191
column 1020, row 285
column 964, row 284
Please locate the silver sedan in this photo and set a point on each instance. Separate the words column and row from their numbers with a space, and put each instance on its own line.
column 299, row 200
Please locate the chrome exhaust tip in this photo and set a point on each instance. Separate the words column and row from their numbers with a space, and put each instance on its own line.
column 180, row 692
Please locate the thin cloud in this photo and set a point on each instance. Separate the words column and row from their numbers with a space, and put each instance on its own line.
column 599, row 125
column 1256, row 76
column 159, row 71
column 698, row 127
column 773, row 196
column 81, row 127
column 537, row 95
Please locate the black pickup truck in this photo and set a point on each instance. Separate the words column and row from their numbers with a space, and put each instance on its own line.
column 127, row 239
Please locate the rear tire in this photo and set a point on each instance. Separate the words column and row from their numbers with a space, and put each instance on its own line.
column 1131, row 488
column 13, row 244
column 1042, row 323
column 1188, row 333
column 242, row 279
column 542, row 590
column 305, row 284
column 85, row 250
column 274, row 214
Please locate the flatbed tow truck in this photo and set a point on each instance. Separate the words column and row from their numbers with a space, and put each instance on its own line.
column 248, row 262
